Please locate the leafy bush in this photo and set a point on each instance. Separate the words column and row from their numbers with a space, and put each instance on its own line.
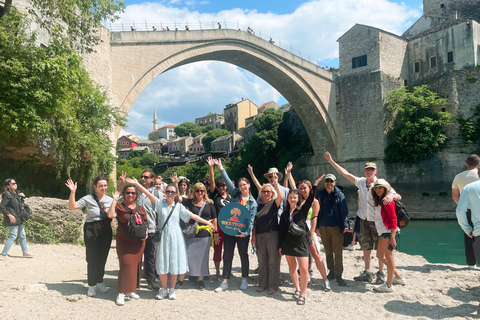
column 470, row 127
column 40, row 233
column 415, row 131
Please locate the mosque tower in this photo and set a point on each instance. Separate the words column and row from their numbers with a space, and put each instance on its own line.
column 154, row 119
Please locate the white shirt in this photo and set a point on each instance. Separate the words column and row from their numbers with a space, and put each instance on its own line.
column 464, row 178
column 366, row 209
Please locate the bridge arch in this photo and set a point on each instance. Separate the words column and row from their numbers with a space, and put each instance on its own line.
column 139, row 57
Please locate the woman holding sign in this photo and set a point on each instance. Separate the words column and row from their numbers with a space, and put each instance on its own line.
column 240, row 195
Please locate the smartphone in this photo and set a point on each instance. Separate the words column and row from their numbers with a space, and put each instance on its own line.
column 390, row 247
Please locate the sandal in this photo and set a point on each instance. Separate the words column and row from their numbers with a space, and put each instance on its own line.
column 301, row 301
column 296, row 295
column 260, row 289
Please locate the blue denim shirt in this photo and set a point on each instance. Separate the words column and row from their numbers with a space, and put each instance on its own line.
column 236, row 197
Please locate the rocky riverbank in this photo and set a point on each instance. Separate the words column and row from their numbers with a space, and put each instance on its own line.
column 53, row 285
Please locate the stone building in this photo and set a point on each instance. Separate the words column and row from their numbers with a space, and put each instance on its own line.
column 197, row 146
column 209, row 119
column 225, row 143
column 128, row 141
column 167, row 132
column 236, row 113
column 180, row 145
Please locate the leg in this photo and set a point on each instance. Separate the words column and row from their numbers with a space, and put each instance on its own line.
column 367, row 257
column 163, row 281
column 476, row 248
column 217, row 253
column 384, row 255
column 337, row 245
column 272, row 260
column 327, row 241
column 468, row 243
column 228, row 247
column 149, row 257
column 303, row 266
column 318, row 261
column 23, row 238
column 173, row 280
column 262, row 256
column 242, row 247
column 90, row 232
column 292, row 269
column 105, row 242
column 12, row 236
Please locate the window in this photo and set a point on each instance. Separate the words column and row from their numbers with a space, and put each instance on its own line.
column 417, row 66
column 442, row 6
column 449, row 56
column 358, row 62
column 433, row 62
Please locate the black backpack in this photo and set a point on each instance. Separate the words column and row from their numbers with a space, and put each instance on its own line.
column 132, row 229
column 402, row 216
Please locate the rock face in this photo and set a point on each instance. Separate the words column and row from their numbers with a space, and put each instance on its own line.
column 53, row 212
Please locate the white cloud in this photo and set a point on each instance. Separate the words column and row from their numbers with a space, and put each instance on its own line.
column 196, row 89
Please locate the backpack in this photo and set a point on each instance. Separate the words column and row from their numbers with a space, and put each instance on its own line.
column 402, row 216
column 134, row 230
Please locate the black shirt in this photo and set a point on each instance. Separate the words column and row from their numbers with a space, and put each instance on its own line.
column 209, row 212
column 266, row 219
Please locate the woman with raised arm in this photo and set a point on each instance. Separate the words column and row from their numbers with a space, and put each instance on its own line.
column 97, row 231
column 265, row 236
column 241, row 195
column 171, row 255
column 129, row 251
column 295, row 241
column 182, row 184
column 386, row 225
column 11, row 207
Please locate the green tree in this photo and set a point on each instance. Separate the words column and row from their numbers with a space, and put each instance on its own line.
column 49, row 103
column 153, row 136
column 78, row 21
column 212, row 135
column 149, row 160
column 186, row 128
column 414, row 130
column 470, row 127
column 207, row 128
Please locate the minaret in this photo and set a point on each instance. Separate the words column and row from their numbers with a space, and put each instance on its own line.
column 154, row 119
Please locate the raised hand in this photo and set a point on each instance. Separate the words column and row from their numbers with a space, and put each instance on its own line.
column 117, row 195
column 250, row 169
column 132, row 180
column 328, row 156
column 289, row 167
column 174, row 178
column 210, row 161
column 319, row 179
column 121, row 179
column 70, row 185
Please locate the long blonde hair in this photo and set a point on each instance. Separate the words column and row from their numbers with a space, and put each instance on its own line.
column 200, row 186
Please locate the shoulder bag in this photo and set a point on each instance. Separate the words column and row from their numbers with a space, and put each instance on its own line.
column 158, row 233
column 191, row 228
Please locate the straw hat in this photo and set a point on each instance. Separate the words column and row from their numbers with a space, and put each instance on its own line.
column 382, row 183
column 273, row 170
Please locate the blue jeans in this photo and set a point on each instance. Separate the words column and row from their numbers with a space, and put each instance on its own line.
column 13, row 233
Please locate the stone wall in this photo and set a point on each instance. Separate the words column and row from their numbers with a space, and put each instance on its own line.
column 452, row 8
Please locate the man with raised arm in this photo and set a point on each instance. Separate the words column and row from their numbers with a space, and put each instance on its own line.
column 461, row 180
column 368, row 233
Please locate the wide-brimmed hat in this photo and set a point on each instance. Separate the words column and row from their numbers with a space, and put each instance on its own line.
column 382, row 183
column 330, row 176
column 273, row 170
column 370, row 165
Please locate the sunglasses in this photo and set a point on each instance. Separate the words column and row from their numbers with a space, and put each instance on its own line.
column 158, row 184
column 369, row 169
column 13, row 183
column 170, row 192
column 130, row 193
column 199, row 191
column 221, row 187
column 377, row 188
column 328, row 181
column 147, row 177
column 266, row 191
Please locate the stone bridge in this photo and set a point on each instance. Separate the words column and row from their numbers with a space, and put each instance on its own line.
column 138, row 57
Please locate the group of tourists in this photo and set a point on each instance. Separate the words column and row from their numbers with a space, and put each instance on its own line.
column 283, row 221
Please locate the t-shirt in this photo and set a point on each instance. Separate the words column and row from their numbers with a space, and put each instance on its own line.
column 93, row 211
column 208, row 213
column 366, row 210
column 464, row 178
column 149, row 208
column 219, row 202
column 266, row 218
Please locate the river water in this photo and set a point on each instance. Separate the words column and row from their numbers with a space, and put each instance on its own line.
column 437, row 241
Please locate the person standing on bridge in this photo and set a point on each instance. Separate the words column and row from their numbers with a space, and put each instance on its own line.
column 461, row 180
column 366, row 214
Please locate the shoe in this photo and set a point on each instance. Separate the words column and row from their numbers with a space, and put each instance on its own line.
column 27, row 255
column 331, row 275
column 162, row 293
column 384, row 288
column 101, row 287
column 310, row 272
column 206, row 278
column 364, row 276
column 244, row 285
column 179, row 284
column 171, row 294
column 326, row 285
column 349, row 248
column 219, row 277
column 272, row 291
column 91, row 291
column 380, row 277
column 296, row 295
column 301, row 301
column 472, row 266
column 400, row 281
column 222, row 287
column 132, row 295
column 201, row 285
column 120, row 299
column 260, row 289
column 340, row 281
column 193, row 279
column 3, row 257
column 255, row 271
column 153, row 285
column 309, row 282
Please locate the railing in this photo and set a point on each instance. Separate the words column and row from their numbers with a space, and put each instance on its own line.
column 187, row 26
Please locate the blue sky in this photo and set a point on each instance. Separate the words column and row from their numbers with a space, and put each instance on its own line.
column 312, row 27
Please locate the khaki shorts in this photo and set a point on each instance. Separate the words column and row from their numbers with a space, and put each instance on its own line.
column 368, row 235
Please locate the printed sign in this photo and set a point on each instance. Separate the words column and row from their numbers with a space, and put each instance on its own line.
column 233, row 218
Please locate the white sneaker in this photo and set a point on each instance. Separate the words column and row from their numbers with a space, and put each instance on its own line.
column 350, row 248
column 244, row 285
column 472, row 266
column 101, row 287
column 120, row 299
column 384, row 288
column 162, row 293
column 91, row 291
column 400, row 281
column 133, row 295
column 171, row 294
column 326, row 285
column 222, row 287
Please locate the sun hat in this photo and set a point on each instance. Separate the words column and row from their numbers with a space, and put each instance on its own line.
column 273, row 170
column 370, row 165
column 382, row 183
column 330, row 176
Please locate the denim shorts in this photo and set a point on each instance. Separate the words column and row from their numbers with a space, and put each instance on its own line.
column 386, row 235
